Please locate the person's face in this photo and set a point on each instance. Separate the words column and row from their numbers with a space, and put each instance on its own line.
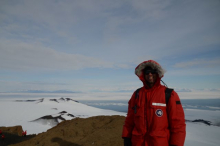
column 150, row 77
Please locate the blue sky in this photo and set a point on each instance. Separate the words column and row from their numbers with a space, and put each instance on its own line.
column 94, row 45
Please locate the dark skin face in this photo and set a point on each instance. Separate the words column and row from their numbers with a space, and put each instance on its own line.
column 150, row 79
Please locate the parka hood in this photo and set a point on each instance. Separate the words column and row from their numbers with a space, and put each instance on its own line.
column 151, row 63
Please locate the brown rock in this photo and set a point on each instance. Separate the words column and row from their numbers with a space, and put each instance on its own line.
column 94, row 131
column 13, row 130
column 13, row 135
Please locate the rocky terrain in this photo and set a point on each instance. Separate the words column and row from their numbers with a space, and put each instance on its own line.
column 93, row 131
column 13, row 135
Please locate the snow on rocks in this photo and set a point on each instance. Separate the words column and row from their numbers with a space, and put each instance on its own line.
column 41, row 114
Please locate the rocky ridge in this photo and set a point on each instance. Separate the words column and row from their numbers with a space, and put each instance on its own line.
column 93, row 131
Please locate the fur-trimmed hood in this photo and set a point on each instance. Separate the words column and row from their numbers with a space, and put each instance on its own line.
column 151, row 63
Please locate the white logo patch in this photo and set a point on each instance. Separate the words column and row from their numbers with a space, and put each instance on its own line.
column 159, row 112
column 159, row 104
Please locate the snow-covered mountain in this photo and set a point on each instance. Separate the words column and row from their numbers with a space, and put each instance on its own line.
column 39, row 115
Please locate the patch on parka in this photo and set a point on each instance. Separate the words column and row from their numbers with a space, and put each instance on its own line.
column 159, row 112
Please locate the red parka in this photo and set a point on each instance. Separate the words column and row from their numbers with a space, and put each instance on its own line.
column 150, row 122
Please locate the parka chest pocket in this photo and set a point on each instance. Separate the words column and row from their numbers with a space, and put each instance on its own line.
column 138, row 118
column 158, row 115
column 159, row 111
column 136, row 102
column 138, row 107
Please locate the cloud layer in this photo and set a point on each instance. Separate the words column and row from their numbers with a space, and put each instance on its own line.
column 24, row 56
column 108, row 38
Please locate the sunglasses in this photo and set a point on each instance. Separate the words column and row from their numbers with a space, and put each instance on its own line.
column 147, row 72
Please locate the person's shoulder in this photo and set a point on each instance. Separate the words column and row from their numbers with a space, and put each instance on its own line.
column 136, row 92
column 175, row 95
column 169, row 90
column 174, row 92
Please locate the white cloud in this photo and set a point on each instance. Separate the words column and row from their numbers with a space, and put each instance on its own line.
column 205, row 63
column 199, row 95
column 182, row 90
column 197, row 71
column 27, row 56
column 160, row 26
column 76, row 34
column 57, row 14
column 153, row 9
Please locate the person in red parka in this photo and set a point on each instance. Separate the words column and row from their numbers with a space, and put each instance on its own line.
column 24, row 133
column 150, row 120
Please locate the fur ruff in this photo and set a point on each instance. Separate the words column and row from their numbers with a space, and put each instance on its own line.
column 152, row 64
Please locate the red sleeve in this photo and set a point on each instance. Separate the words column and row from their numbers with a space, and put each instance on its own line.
column 176, row 120
column 129, row 121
